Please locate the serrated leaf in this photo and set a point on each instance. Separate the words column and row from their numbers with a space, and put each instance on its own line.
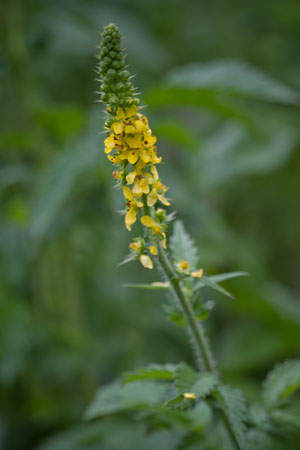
column 182, row 246
column 152, row 286
column 205, row 383
column 235, row 408
column 281, row 382
column 117, row 397
column 207, row 281
column 185, row 378
column 153, row 371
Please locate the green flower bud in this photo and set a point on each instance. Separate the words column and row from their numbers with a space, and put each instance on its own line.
column 116, row 88
column 111, row 72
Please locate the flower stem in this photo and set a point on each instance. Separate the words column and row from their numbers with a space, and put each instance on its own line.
column 196, row 328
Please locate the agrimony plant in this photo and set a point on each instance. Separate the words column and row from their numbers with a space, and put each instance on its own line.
column 210, row 413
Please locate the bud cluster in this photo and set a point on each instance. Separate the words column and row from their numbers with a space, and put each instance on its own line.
column 116, row 87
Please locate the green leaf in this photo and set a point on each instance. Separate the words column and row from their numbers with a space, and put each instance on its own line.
column 289, row 415
column 203, row 98
column 235, row 77
column 220, row 277
column 235, row 408
column 207, row 281
column 178, row 133
column 205, row 383
column 281, row 382
column 199, row 416
column 61, row 179
column 117, row 397
column 153, row 371
column 182, row 246
column 175, row 315
column 185, row 378
column 227, row 276
column 129, row 258
column 153, row 286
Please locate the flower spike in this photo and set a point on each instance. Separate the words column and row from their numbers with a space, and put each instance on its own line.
column 129, row 144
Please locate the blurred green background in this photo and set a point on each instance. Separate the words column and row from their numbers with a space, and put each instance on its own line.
column 221, row 81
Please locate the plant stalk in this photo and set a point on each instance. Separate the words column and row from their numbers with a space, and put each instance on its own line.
column 197, row 330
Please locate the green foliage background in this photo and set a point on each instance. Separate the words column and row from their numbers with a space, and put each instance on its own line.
column 221, row 81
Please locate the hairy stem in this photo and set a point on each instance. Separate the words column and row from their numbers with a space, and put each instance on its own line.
column 197, row 331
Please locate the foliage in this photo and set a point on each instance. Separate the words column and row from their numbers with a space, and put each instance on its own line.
column 231, row 140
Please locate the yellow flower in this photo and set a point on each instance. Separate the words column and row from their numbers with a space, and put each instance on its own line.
column 132, row 205
column 146, row 261
column 109, row 143
column 189, row 395
column 157, row 187
column 148, row 222
column 197, row 273
column 153, row 250
column 135, row 246
column 184, row 265
column 117, row 127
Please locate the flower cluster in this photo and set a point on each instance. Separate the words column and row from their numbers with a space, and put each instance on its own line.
column 130, row 146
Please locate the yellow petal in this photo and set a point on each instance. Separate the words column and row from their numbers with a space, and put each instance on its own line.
column 197, row 273
column 130, row 218
column 140, row 165
column 109, row 143
column 137, row 188
column 131, row 111
column 133, row 156
column 120, row 113
column 127, row 193
column 189, row 395
column 164, row 200
column 139, row 204
column 135, row 246
column 150, row 140
column 145, row 185
column 145, row 156
column 130, row 177
column 146, row 261
column 129, row 129
column 152, row 198
column 114, row 159
column 153, row 250
column 154, row 172
column 147, row 221
column 133, row 142
column 164, row 240
column 184, row 265
column 117, row 127
column 139, row 125
column 123, row 155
